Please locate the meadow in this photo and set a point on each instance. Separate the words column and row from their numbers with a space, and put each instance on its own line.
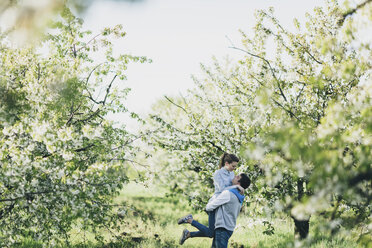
column 150, row 221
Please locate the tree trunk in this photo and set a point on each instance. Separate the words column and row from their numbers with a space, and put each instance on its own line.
column 301, row 226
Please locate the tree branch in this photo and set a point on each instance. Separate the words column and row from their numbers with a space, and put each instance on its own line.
column 108, row 89
column 26, row 195
column 84, row 148
column 72, row 113
column 271, row 69
column 216, row 146
column 360, row 177
column 299, row 94
column 91, row 72
column 129, row 141
column 87, row 43
column 307, row 51
column 287, row 110
column 352, row 11
column 176, row 104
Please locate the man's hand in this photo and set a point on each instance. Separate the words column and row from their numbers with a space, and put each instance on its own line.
column 241, row 189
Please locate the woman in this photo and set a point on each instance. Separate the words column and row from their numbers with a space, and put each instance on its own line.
column 222, row 180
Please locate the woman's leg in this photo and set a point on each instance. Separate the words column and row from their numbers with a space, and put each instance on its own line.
column 203, row 230
column 211, row 221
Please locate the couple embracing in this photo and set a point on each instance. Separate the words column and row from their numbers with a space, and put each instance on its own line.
column 223, row 207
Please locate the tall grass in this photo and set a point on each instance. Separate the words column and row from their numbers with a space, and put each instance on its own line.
column 151, row 221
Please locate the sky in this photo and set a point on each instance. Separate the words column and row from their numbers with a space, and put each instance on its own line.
column 178, row 35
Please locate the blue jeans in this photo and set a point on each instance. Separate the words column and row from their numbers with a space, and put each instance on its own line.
column 221, row 238
column 203, row 230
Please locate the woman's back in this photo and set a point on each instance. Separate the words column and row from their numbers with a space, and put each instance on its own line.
column 222, row 179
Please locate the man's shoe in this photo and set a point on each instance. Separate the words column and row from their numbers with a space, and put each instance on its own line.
column 184, row 235
column 184, row 219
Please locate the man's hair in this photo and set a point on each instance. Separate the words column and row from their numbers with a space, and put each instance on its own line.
column 244, row 180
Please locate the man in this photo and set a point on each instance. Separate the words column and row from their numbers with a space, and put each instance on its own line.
column 228, row 205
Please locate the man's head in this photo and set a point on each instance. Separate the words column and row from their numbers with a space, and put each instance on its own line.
column 242, row 179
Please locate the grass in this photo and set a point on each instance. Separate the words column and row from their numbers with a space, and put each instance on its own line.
column 151, row 221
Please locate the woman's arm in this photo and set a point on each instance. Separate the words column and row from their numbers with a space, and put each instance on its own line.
column 240, row 188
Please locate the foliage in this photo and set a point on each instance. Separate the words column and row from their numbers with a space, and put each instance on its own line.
column 297, row 109
column 61, row 157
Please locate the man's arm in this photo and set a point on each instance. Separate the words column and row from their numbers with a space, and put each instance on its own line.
column 223, row 198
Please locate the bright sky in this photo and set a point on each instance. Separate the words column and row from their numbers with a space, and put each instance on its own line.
column 178, row 35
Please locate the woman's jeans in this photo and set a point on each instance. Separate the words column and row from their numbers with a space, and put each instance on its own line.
column 203, row 230
column 221, row 238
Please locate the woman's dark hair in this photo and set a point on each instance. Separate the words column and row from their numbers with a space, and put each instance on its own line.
column 244, row 181
column 227, row 157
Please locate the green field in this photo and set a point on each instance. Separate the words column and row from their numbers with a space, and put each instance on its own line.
column 151, row 221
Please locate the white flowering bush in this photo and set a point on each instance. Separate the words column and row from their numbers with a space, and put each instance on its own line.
column 295, row 107
column 61, row 159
